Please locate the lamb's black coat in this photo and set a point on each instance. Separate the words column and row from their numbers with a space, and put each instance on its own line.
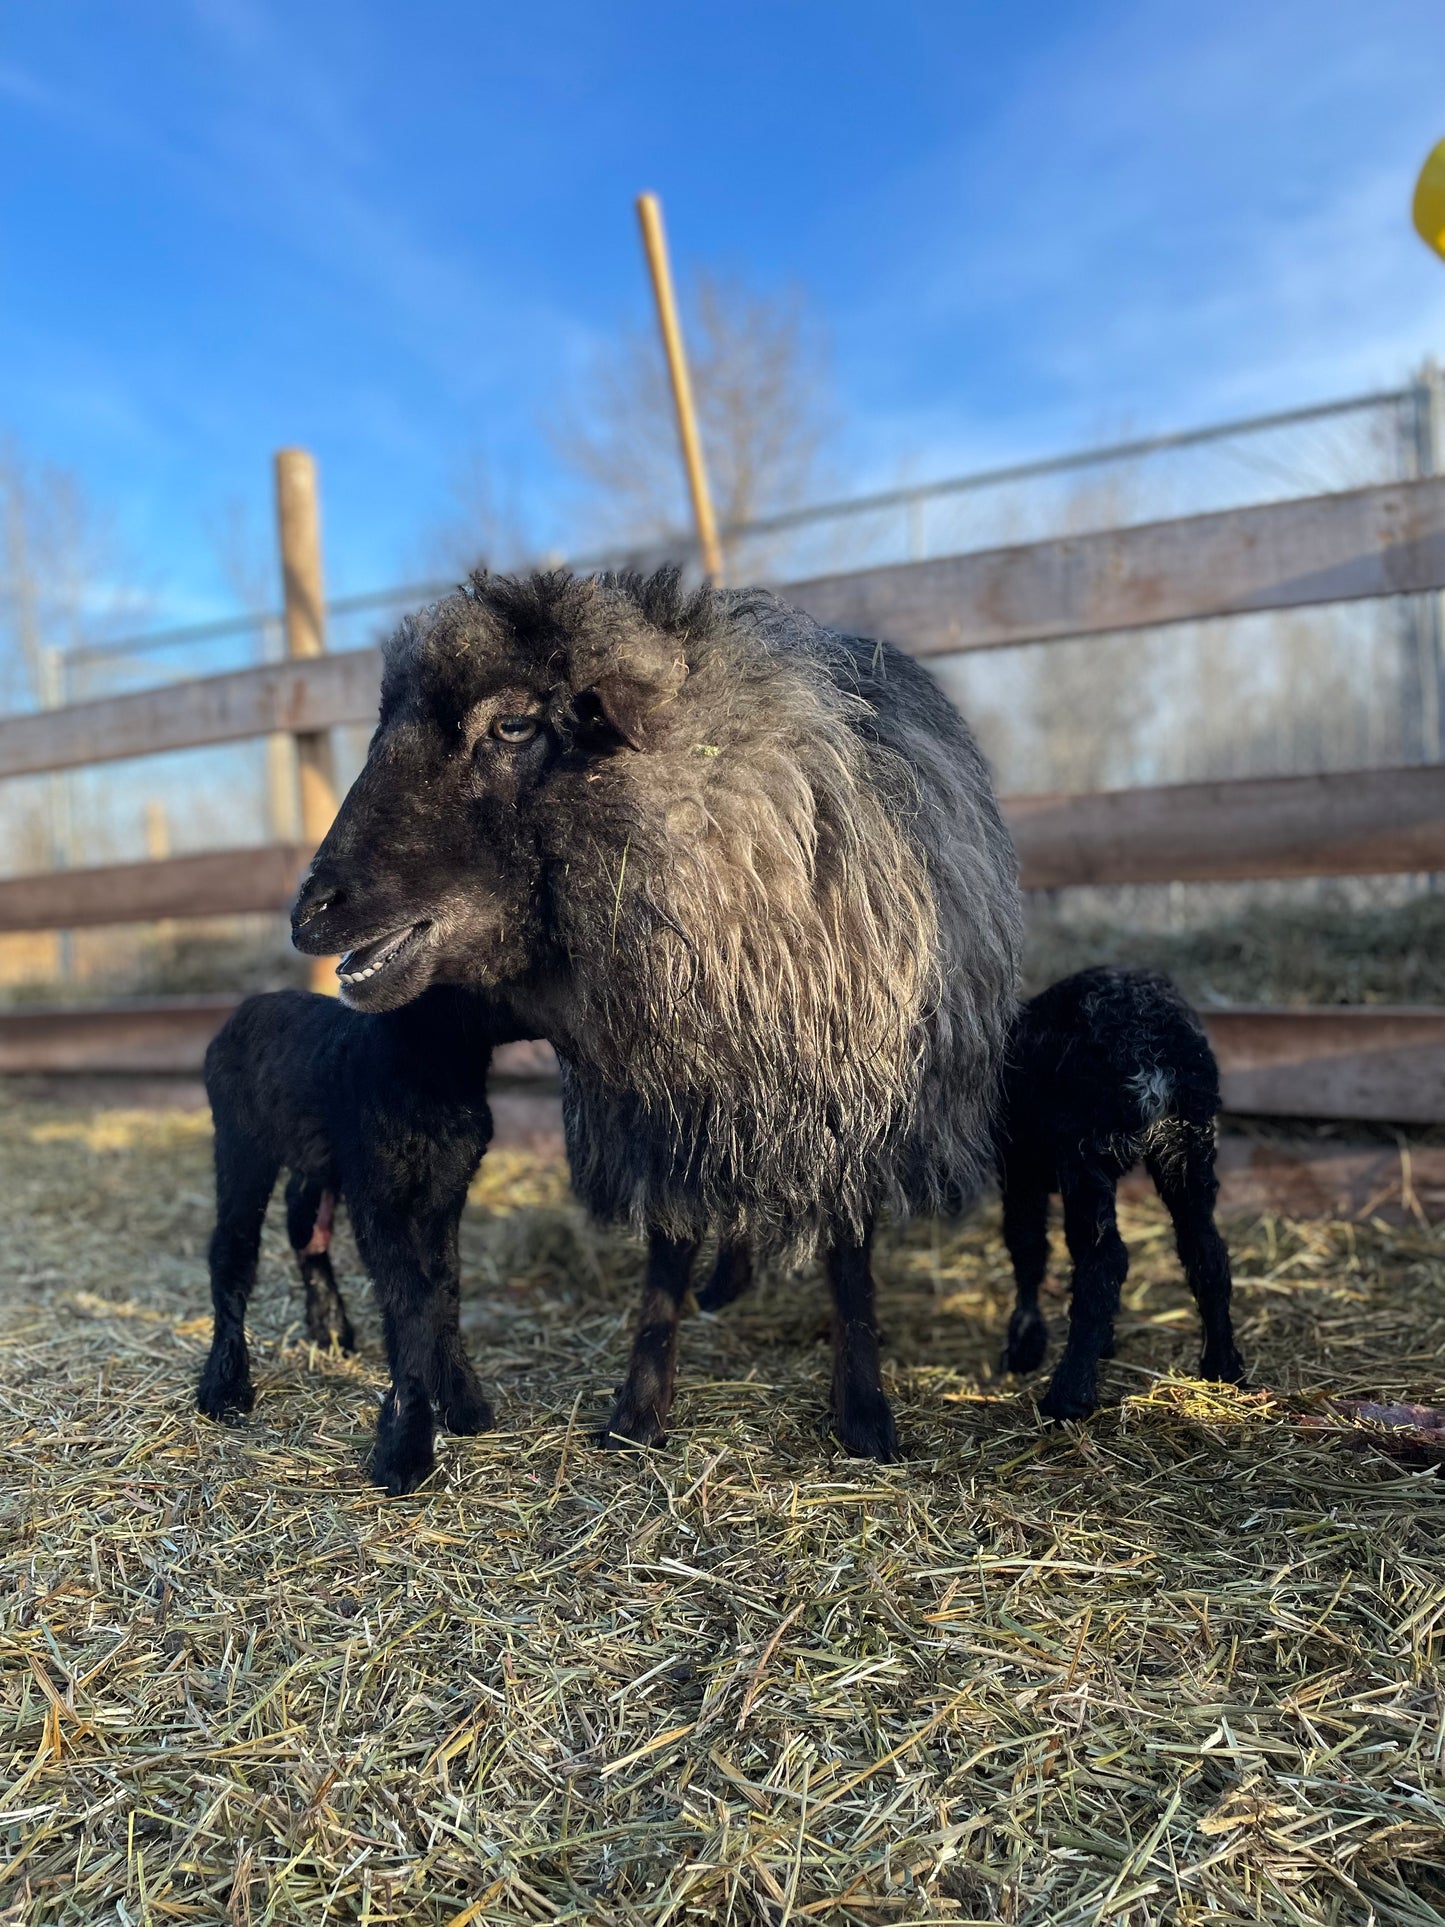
column 1106, row 1069
column 389, row 1111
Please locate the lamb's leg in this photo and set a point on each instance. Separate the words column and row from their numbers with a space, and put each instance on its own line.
column 1026, row 1233
column 732, row 1275
column 1101, row 1265
column 640, row 1414
column 1184, row 1176
column 861, row 1414
column 245, row 1176
column 416, row 1310
column 310, row 1215
column 454, row 1383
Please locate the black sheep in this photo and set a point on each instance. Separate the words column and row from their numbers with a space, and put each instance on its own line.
column 391, row 1113
column 1106, row 1069
column 747, row 875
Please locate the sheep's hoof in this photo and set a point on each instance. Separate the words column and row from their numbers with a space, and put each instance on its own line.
column 1028, row 1340
column 866, row 1429
column 404, row 1453
column 1225, row 1366
column 631, row 1425
column 1068, row 1398
column 333, row 1328
column 464, row 1407
column 225, row 1392
column 729, row 1280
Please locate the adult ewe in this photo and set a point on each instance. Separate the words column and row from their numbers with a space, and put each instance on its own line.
column 750, row 878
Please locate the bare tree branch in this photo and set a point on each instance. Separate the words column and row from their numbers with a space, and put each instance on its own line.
column 760, row 375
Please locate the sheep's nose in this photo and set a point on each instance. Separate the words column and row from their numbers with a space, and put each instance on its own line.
column 320, row 892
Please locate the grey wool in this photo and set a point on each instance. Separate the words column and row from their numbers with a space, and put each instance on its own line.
column 748, row 875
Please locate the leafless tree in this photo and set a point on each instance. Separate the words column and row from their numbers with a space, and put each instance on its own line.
column 60, row 583
column 759, row 370
column 245, row 556
column 484, row 525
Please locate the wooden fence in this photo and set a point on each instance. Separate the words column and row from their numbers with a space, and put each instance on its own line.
column 1365, row 1063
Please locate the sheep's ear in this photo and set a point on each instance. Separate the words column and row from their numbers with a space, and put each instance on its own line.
column 630, row 696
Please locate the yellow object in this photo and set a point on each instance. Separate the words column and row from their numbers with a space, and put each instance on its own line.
column 1429, row 207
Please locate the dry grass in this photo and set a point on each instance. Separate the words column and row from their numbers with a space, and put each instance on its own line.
column 1179, row 1665
column 1268, row 952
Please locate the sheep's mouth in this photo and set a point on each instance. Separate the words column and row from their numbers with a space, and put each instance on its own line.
column 370, row 960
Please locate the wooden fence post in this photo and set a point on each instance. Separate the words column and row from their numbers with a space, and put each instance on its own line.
column 298, row 522
column 654, row 241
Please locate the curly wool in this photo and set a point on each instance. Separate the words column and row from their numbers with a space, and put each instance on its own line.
column 792, row 927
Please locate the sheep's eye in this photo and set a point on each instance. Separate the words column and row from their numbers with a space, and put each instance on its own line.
column 514, row 729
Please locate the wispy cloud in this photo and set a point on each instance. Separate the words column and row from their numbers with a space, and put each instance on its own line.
column 1176, row 214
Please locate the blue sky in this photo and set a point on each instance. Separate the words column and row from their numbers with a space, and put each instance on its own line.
column 393, row 234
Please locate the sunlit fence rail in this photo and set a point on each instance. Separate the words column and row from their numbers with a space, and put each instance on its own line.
column 1382, row 541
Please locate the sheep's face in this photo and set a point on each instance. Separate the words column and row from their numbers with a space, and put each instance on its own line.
column 500, row 729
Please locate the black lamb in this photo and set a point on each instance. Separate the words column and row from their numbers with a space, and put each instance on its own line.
column 389, row 1112
column 1106, row 1069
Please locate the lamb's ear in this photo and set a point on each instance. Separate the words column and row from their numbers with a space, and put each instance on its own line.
column 631, row 693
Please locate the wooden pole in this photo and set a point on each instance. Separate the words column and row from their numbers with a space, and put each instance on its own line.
column 158, row 848
column 298, row 522
column 654, row 240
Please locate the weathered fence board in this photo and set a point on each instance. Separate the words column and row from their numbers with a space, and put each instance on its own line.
column 1369, row 1063
column 214, row 883
column 165, row 1036
column 1350, row 823
column 162, row 1037
column 1279, row 555
column 296, row 697
column 1383, row 1065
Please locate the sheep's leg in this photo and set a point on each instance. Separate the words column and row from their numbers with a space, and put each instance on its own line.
column 245, row 1177
column 310, row 1215
column 1026, row 1233
column 417, row 1309
column 1101, row 1264
column 640, row 1414
column 1184, row 1176
column 454, row 1383
column 861, row 1414
column 732, row 1275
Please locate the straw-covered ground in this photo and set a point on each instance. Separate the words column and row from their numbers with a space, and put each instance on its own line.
column 1181, row 1664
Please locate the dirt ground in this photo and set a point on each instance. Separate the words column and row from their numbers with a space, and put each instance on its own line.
column 1180, row 1664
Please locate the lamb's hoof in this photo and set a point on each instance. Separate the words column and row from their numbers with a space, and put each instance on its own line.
column 1225, row 1366
column 866, row 1430
column 1028, row 1340
column 731, row 1277
column 326, row 1332
column 1068, row 1398
column 404, row 1453
column 225, row 1392
column 717, row 1293
column 464, row 1407
column 631, row 1424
